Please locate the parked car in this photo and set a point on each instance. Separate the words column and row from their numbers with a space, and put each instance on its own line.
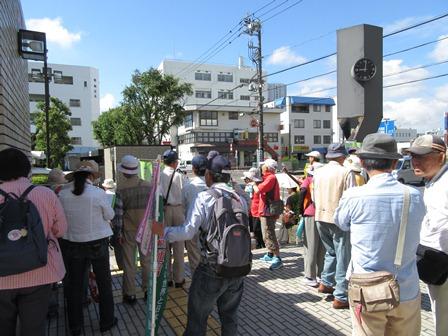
column 185, row 165
column 404, row 172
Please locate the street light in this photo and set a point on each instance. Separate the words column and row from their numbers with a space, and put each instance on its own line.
column 33, row 46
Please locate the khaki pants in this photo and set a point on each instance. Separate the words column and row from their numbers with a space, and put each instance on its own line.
column 268, row 232
column 193, row 252
column 175, row 216
column 313, row 250
column 439, row 307
column 405, row 320
column 129, row 250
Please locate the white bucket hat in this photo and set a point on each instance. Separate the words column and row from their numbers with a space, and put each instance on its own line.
column 270, row 163
column 129, row 165
column 109, row 184
column 314, row 154
column 353, row 163
column 253, row 175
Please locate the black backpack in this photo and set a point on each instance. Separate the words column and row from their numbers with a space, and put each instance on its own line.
column 227, row 241
column 23, row 245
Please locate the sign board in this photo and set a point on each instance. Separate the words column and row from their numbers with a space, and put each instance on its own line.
column 300, row 148
column 387, row 126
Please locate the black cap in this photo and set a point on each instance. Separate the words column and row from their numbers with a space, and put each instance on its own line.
column 219, row 164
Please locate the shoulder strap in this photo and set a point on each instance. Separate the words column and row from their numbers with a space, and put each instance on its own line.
column 214, row 193
column 3, row 193
column 169, row 186
column 271, row 192
column 25, row 193
column 403, row 224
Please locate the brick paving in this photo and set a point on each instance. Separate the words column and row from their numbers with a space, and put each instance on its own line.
column 274, row 303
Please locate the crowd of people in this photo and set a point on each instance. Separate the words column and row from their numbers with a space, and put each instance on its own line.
column 365, row 235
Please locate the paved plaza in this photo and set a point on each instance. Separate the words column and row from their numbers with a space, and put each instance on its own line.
column 274, row 303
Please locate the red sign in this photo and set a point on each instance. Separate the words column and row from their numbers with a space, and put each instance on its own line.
column 253, row 123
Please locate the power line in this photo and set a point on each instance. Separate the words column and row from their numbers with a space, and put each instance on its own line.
column 417, row 46
column 267, row 12
column 415, row 80
column 416, row 68
column 263, row 7
column 282, row 11
column 417, row 25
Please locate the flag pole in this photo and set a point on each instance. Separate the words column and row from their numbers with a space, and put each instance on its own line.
column 154, row 258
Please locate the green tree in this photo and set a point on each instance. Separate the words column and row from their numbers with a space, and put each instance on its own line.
column 59, row 125
column 152, row 104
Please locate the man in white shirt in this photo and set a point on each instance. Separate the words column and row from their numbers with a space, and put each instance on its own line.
column 190, row 192
column 428, row 154
column 172, row 185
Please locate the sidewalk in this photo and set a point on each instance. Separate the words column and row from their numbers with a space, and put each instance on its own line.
column 274, row 303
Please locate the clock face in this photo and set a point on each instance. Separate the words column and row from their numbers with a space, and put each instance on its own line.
column 363, row 70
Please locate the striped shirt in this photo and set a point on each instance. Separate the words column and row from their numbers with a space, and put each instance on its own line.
column 55, row 225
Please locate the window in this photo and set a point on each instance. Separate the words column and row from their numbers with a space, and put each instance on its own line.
column 85, row 83
column 76, row 141
column 245, row 97
column 206, row 76
column 317, row 139
column 300, row 109
column 75, row 103
column 225, row 95
column 36, row 76
column 186, row 138
column 299, row 139
column 327, row 123
column 208, row 137
column 271, row 137
column 299, row 123
column 37, row 98
column 203, row 94
column 245, row 80
column 233, row 115
column 327, row 108
column 75, row 121
column 327, row 139
column 317, row 124
column 225, row 77
column 316, row 108
column 406, row 164
column 208, row 118
column 256, row 98
column 188, row 120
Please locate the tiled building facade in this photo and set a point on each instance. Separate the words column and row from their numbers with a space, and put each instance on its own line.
column 14, row 105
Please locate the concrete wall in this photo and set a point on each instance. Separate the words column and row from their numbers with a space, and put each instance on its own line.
column 14, row 109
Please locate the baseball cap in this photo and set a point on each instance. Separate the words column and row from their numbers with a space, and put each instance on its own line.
column 219, row 164
column 314, row 154
column 169, row 156
column 427, row 143
column 253, row 174
column 199, row 162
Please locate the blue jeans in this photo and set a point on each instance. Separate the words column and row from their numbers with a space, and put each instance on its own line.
column 207, row 289
column 337, row 258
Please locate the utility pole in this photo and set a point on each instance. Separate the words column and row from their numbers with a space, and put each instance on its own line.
column 253, row 27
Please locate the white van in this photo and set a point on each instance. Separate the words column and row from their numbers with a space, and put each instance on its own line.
column 185, row 165
column 404, row 172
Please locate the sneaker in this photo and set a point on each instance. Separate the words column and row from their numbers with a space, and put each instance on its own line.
column 109, row 326
column 129, row 299
column 310, row 282
column 276, row 263
column 266, row 258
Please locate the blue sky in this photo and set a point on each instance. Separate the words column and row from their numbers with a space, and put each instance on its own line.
column 118, row 37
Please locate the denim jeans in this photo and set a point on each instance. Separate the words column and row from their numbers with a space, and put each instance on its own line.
column 77, row 257
column 206, row 290
column 337, row 258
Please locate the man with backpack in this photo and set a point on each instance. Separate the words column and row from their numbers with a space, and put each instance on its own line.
column 220, row 217
column 32, row 219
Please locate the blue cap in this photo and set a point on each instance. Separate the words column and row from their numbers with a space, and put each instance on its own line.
column 212, row 154
column 219, row 164
column 199, row 162
column 169, row 156
column 336, row 150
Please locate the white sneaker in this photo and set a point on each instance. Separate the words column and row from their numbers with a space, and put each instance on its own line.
column 310, row 282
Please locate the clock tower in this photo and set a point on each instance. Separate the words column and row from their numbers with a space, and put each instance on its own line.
column 360, row 80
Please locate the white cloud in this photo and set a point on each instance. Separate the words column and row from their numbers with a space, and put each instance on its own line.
column 440, row 52
column 285, row 56
column 311, row 87
column 420, row 113
column 107, row 102
column 396, row 66
column 400, row 24
column 55, row 31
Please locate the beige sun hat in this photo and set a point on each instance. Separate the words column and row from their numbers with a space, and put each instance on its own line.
column 56, row 176
column 89, row 166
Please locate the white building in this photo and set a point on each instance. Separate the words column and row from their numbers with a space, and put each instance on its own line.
column 405, row 134
column 224, row 84
column 306, row 124
column 78, row 88
column 221, row 113
column 231, row 130
column 275, row 91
